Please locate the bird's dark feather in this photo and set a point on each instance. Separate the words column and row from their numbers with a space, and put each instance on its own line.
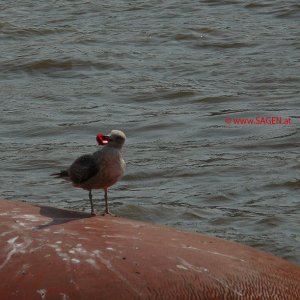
column 83, row 168
column 61, row 174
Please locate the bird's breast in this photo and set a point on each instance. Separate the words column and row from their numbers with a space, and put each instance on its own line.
column 111, row 169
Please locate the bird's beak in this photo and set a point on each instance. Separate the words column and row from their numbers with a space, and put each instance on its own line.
column 102, row 139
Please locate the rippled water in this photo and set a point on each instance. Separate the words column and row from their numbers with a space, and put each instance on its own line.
column 168, row 73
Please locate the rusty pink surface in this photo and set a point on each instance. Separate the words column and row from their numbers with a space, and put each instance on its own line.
column 49, row 253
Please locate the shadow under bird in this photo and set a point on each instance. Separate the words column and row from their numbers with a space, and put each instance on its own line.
column 99, row 170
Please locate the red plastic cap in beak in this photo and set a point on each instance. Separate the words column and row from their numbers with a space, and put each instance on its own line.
column 102, row 139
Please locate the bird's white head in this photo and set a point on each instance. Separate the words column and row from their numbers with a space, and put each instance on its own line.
column 115, row 139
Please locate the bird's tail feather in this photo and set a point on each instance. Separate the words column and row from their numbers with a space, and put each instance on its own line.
column 61, row 174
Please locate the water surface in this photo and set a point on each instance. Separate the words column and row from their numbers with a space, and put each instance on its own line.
column 168, row 73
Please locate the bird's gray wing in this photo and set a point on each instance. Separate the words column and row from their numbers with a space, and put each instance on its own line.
column 83, row 168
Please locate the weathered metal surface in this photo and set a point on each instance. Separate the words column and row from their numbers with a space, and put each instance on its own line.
column 49, row 253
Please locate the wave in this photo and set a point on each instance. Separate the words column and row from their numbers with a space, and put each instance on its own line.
column 45, row 65
column 13, row 31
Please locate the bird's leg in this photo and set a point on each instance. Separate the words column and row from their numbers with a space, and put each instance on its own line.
column 106, row 212
column 91, row 200
column 106, row 201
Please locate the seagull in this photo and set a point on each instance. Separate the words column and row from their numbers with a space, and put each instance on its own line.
column 99, row 170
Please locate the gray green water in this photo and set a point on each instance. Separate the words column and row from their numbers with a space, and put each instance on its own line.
column 168, row 73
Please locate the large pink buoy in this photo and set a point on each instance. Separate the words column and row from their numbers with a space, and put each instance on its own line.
column 49, row 253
